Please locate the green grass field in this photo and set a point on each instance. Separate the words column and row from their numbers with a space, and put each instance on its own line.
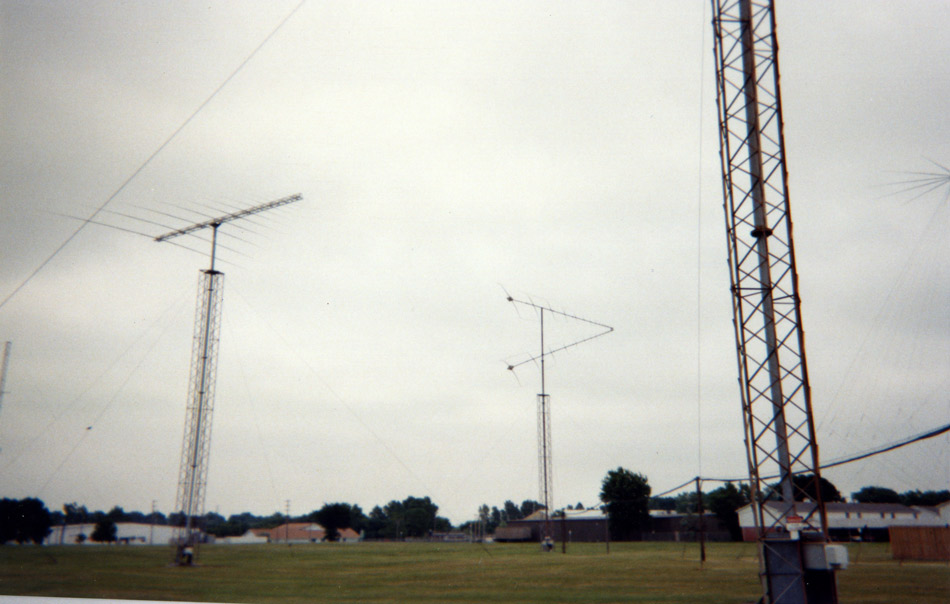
column 417, row 572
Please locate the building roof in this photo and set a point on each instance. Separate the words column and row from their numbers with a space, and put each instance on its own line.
column 512, row 533
column 302, row 531
column 869, row 508
column 297, row 531
column 589, row 514
column 808, row 507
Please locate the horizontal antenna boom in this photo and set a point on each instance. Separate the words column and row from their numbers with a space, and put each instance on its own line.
column 215, row 222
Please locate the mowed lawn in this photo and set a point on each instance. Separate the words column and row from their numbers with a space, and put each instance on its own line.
column 425, row 572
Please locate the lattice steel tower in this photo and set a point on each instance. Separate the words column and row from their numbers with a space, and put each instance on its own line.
column 773, row 376
column 196, row 443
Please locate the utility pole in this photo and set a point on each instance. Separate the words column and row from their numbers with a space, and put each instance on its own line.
column 701, row 526
column 151, row 527
column 193, row 470
column 287, row 524
column 770, row 342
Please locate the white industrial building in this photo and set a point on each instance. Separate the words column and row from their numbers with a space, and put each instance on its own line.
column 127, row 533
column 248, row 538
column 858, row 521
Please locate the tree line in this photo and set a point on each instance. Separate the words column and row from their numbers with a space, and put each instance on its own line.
column 29, row 521
column 625, row 496
column 491, row 518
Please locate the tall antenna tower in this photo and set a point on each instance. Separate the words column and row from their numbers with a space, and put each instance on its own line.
column 193, row 470
column 3, row 371
column 545, row 482
column 770, row 343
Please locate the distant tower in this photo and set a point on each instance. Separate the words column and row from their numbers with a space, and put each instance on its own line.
column 193, row 470
column 3, row 371
column 545, row 481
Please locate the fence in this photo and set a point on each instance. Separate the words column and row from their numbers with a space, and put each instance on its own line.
column 920, row 542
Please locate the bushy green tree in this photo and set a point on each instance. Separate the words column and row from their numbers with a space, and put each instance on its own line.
column 412, row 517
column 876, row 495
column 925, row 498
column 215, row 524
column 627, row 496
column 117, row 514
column 75, row 513
column 376, row 523
column 105, row 531
column 804, row 489
column 663, row 503
column 24, row 520
column 420, row 515
column 529, row 506
column 511, row 512
column 687, row 503
column 724, row 503
column 333, row 517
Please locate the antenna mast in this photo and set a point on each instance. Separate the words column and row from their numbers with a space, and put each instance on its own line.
column 193, row 470
column 3, row 371
column 545, row 481
column 770, row 342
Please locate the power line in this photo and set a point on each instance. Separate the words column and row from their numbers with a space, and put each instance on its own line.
column 150, row 157
column 837, row 462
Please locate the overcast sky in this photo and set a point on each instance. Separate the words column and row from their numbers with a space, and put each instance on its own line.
column 448, row 152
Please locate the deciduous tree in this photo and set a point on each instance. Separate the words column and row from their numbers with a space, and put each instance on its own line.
column 627, row 496
column 105, row 531
column 511, row 512
column 24, row 520
column 724, row 503
column 332, row 517
column 876, row 495
column 529, row 506
column 925, row 498
column 804, row 489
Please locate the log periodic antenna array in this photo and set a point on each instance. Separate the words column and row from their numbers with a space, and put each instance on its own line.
column 545, row 482
column 193, row 471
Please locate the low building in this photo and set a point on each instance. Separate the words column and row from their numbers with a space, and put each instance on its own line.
column 248, row 538
column 857, row 521
column 295, row 532
column 348, row 535
column 449, row 537
column 304, row 532
column 592, row 526
column 127, row 533
column 512, row 532
column 577, row 525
